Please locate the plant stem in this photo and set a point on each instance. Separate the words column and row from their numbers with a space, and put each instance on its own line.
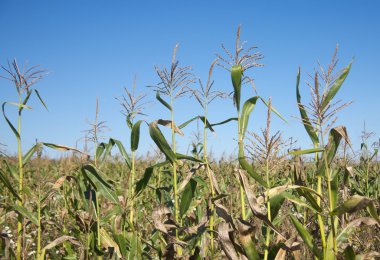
column 99, row 245
column 131, row 214
column 20, row 189
column 331, row 206
column 211, row 182
column 240, row 144
column 267, row 241
column 319, row 191
column 175, row 188
column 39, row 225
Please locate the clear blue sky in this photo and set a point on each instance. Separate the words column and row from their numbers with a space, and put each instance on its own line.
column 94, row 48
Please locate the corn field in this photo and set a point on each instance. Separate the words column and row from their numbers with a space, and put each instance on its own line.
column 267, row 201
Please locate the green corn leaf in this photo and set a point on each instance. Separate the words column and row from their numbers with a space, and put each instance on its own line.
column 201, row 118
column 187, row 157
column 122, row 243
column 135, row 135
column 236, row 77
column 122, row 151
column 143, row 182
column 305, row 119
column 275, row 205
column 99, row 183
column 41, row 100
column 26, row 214
column 159, row 98
column 351, row 205
column 14, row 130
column 25, row 100
column 373, row 212
column 274, row 110
column 334, row 188
column 225, row 121
column 188, row 122
column 26, row 158
column 187, row 196
column 301, row 203
column 335, row 87
column 306, row 236
column 11, row 170
column 99, row 151
column 6, row 182
column 248, row 106
column 306, row 151
column 335, row 136
column 160, row 141
column 249, row 168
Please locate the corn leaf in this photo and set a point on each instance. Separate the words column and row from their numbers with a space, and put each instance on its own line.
column 135, row 135
column 225, row 121
column 99, row 151
column 248, row 106
column 306, row 151
column 26, row 214
column 236, row 77
column 274, row 110
column 335, row 136
column 40, row 98
column 305, row 119
column 99, row 183
column 8, row 185
column 160, row 141
column 306, row 236
column 351, row 205
column 159, row 98
column 187, row 196
column 249, row 168
column 335, row 87
column 143, row 182
column 14, row 130
column 30, row 153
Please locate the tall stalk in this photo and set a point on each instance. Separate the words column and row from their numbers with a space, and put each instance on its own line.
column 267, row 240
column 174, row 166
column 205, row 95
column 133, row 105
column 237, row 64
column 175, row 83
column 23, row 81
column 20, row 181
column 132, row 189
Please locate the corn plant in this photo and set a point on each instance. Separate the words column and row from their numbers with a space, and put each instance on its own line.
column 318, row 119
column 23, row 80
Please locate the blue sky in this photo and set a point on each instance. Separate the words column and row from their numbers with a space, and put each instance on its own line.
column 93, row 49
